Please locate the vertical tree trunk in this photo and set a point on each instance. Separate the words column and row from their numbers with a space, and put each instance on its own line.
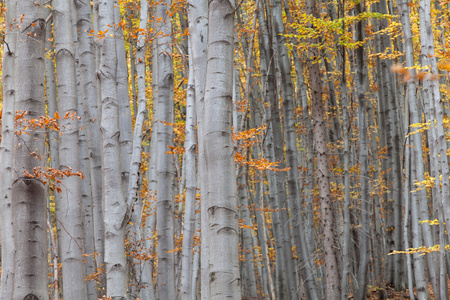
column 53, row 141
column 134, row 206
column 28, row 193
column 415, row 118
column 406, row 220
column 71, row 239
column 165, row 200
column 419, row 262
column 7, row 144
column 191, row 187
column 346, row 210
column 363, row 160
column 333, row 288
column 221, row 195
column 198, row 35
column 86, row 214
column 123, row 98
column 115, row 206
column 91, row 117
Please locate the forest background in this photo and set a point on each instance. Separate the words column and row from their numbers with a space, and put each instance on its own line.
column 261, row 149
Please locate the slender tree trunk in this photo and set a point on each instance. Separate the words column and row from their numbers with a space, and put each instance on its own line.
column 133, row 202
column 346, row 210
column 419, row 262
column 123, row 98
column 7, row 144
column 165, row 200
column 71, row 239
column 415, row 118
column 198, row 35
column 115, row 206
column 221, row 195
column 91, row 117
column 363, row 160
column 86, row 214
column 148, row 289
column 333, row 287
column 28, row 193
column 53, row 141
column 191, row 187
column 406, row 220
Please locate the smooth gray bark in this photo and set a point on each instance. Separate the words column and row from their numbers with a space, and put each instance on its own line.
column 7, row 144
column 28, row 193
column 115, row 205
column 224, row 279
column 71, row 237
column 123, row 98
column 198, row 35
column 164, row 165
column 363, row 159
column 191, row 187
column 134, row 205
column 91, row 119
column 415, row 118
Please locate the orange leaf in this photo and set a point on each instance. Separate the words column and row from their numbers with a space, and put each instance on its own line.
column 421, row 75
column 444, row 66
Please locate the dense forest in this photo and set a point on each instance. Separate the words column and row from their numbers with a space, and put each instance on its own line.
column 225, row 149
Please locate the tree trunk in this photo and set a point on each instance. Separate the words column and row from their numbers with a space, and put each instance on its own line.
column 28, row 192
column 333, row 287
column 221, row 195
column 191, row 187
column 165, row 200
column 198, row 35
column 115, row 205
column 91, row 117
column 363, row 160
column 7, row 144
column 71, row 239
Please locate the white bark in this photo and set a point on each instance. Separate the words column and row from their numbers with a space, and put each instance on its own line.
column 28, row 194
column 7, row 144
column 133, row 185
column 71, row 239
column 86, row 214
column 115, row 206
column 125, row 126
column 191, row 187
column 198, row 35
column 415, row 118
column 165, row 197
column 91, row 119
column 221, row 194
column 133, row 201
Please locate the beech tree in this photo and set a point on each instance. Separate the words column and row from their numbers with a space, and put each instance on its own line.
column 72, row 240
column 209, row 149
column 113, row 198
column 221, row 191
column 7, row 144
column 27, row 189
